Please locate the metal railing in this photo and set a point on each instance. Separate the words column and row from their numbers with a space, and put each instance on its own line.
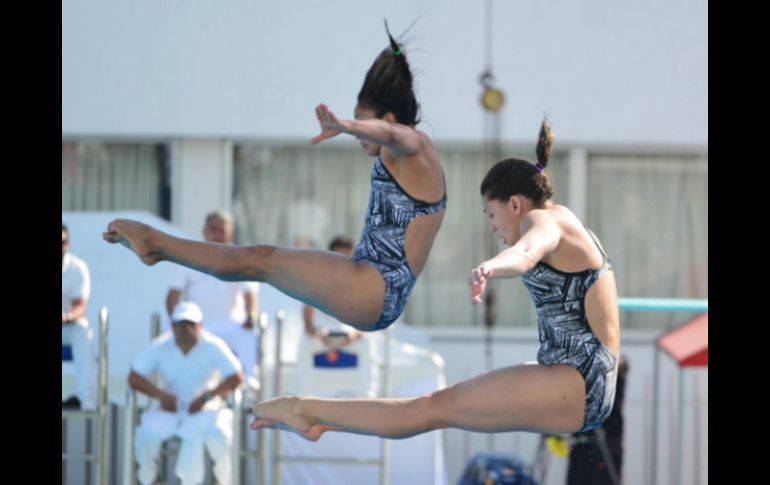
column 99, row 415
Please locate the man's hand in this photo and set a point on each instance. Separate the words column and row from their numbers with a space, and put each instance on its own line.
column 167, row 402
column 197, row 405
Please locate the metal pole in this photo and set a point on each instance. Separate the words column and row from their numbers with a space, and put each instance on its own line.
column 388, row 388
column 672, row 427
column 647, row 431
column 654, row 440
column 679, row 424
column 279, row 318
column 112, row 417
column 490, row 317
column 698, row 416
column 103, row 396
column 235, row 400
column 129, row 423
column 261, row 396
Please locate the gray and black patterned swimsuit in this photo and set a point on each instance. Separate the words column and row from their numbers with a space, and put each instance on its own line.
column 389, row 213
column 565, row 336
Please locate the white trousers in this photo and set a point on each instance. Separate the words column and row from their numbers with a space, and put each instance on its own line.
column 212, row 429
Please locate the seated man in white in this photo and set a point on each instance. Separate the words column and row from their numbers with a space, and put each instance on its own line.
column 229, row 308
column 196, row 370
column 75, row 290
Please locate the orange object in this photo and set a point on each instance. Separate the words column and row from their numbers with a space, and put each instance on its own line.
column 688, row 344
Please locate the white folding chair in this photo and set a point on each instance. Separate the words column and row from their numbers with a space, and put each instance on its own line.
column 171, row 446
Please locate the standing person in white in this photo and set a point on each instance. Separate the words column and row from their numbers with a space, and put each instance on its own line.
column 75, row 290
column 229, row 308
column 196, row 369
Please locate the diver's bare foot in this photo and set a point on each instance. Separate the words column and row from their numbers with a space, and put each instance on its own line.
column 283, row 413
column 134, row 236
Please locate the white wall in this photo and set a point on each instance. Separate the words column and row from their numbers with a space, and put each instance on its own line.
column 606, row 71
column 202, row 180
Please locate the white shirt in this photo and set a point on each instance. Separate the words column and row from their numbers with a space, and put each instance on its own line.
column 75, row 281
column 220, row 301
column 188, row 376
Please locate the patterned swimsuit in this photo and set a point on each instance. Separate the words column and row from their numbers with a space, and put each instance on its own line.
column 389, row 213
column 565, row 336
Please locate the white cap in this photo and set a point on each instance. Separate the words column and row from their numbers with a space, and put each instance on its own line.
column 187, row 311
